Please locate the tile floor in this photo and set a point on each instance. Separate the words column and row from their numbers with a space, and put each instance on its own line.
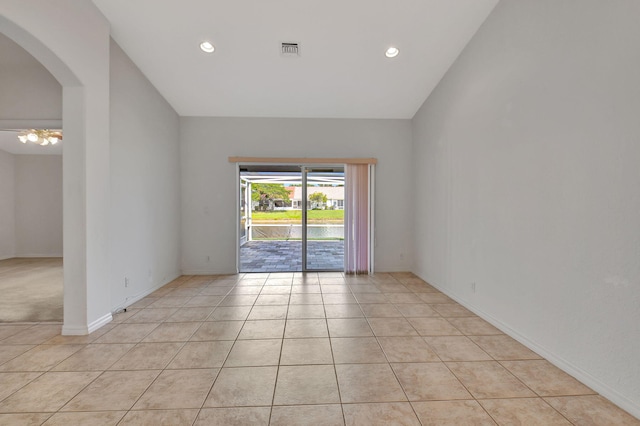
column 289, row 349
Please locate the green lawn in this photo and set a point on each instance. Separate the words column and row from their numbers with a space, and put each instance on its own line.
column 296, row 215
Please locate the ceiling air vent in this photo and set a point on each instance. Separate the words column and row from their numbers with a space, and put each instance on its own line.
column 290, row 49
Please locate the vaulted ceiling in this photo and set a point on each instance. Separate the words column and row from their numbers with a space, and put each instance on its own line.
column 341, row 71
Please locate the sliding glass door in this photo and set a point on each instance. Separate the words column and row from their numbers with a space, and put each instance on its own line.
column 291, row 218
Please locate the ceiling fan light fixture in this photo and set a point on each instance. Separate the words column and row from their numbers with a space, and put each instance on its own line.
column 392, row 52
column 40, row 136
column 207, row 47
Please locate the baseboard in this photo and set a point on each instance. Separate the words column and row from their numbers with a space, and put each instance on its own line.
column 597, row 385
column 84, row 330
column 2, row 257
column 133, row 299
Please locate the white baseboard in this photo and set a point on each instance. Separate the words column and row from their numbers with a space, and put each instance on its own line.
column 597, row 385
column 88, row 329
column 38, row 255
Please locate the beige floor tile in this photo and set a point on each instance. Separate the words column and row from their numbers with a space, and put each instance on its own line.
column 272, row 299
column 151, row 315
column 545, row 379
column 435, row 298
column 299, row 328
column 380, row 310
column 407, row 349
column 456, row 348
column 246, row 290
column 8, row 352
column 276, row 289
column 33, row 335
column 143, row 303
column 417, row 310
column 592, row 410
column 503, row 347
column 24, row 419
column 474, row 326
column 243, row 387
column 380, row 414
column 371, row 289
column 452, row 413
column 306, row 299
column 239, row 300
column 316, row 415
column 47, row 393
column 279, row 281
column 218, row 330
column 306, row 384
column 127, row 333
column 268, row 312
column 178, row 389
column 172, row 332
column 94, row 357
column 452, row 310
column 170, row 302
column 392, row 327
column 243, row 416
column 370, row 298
column 205, row 301
column 306, row 351
column 357, row 350
column 202, row 355
column 305, row 311
column 11, row 382
column 338, row 299
column 92, row 418
column 523, row 411
column 190, row 314
column 429, row 381
column 108, row 392
column 433, row 327
column 343, row 311
column 184, row 292
column 122, row 316
column 262, row 329
column 215, row 291
column 488, row 379
column 368, row 383
column 230, row 313
column 334, row 289
column 349, row 327
column 253, row 353
column 41, row 358
column 403, row 298
column 159, row 417
column 306, row 288
column 147, row 356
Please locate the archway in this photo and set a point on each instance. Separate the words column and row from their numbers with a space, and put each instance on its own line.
column 67, row 53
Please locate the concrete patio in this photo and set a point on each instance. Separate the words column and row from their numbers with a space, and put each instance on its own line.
column 285, row 256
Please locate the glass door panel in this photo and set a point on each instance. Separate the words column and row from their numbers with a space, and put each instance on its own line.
column 323, row 220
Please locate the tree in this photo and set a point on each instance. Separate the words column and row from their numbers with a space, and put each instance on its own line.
column 318, row 200
column 266, row 193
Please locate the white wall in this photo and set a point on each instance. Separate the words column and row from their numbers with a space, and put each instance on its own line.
column 209, row 219
column 7, row 205
column 38, row 205
column 145, row 184
column 29, row 91
column 527, row 179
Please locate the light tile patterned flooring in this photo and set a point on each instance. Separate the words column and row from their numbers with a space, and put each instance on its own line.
column 289, row 349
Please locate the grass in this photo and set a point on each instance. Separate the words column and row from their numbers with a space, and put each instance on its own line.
column 296, row 216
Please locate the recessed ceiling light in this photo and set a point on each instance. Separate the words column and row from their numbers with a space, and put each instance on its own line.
column 207, row 47
column 391, row 52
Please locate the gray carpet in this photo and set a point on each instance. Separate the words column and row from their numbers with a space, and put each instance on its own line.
column 31, row 290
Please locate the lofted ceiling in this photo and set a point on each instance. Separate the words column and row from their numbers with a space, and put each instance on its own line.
column 341, row 72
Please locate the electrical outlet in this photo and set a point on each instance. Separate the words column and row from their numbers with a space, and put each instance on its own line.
column 126, row 282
